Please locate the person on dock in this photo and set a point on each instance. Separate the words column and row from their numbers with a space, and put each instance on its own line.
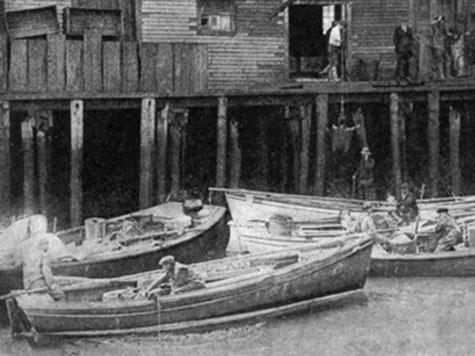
column 364, row 174
column 448, row 232
column 440, row 46
column 406, row 205
column 404, row 46
column 178, row 278
column 335, row 37
column 37, row 272
column 368, row 226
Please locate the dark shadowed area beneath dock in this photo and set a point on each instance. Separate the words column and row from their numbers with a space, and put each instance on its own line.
column 395, row 317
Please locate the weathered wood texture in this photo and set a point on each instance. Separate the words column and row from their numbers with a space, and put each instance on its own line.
column 147, row 138
column 43, row 121
column 111, row 67
column 3, row 63
column 18, row 73
column 322, row 124
column 254, row 56
column 92, row 62
column 434, row 140
column 5, row 158
column 56, row 65
column 222, row 135
column 306, row 115
column 175, row 149
column 162, row 140
column 28, row 165
column 235, row 155
column 32, row 22
column 106, row 22
column 455, row 127
column 395, row 139
column 37, row 66
column 77, row 139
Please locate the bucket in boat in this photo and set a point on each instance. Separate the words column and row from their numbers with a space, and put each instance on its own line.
column 95, row 228
column 280, row 225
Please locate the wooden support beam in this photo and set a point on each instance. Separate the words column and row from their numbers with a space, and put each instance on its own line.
column 294, row 130
column 395, row 139
column 434, row 140
column 162, row 139
column 284, row 154
column 322, row 125
column 305, row 123
column 222, row 124
column 262, row 154
column 455, row 124
column 43, row 123
column 235, row 155
column 5, row 157
column 175, row 150
column 147, row 137
column 77, row 139
column 28, row 166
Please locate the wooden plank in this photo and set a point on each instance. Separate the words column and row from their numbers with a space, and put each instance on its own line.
column 454, row 122
column 18, row 74
column 175, row 149
column 148, row 78
column 56, row 48
column 37, row 21
column 306, row 115
column 77, row 139
column 94, row 4
column 147, row 138
column 111, row 66
column 395, row 140
column 28, row 166
column 92, row 62
column 37, row 70
column 129, row 67
column 200, row 68
column 322, row 127
column 43, row 124
column 183, row 68
column 5, row 157
column 164, row 68
column 434, row 140
column 128, row 20
column 235, row 155
column 3, row 63
column 162, row 139
column 222, row 124
column 74, row 66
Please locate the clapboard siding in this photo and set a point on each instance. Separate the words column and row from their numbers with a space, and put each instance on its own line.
column 254, row 56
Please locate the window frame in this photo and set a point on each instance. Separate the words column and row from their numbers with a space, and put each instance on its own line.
column 205, row 30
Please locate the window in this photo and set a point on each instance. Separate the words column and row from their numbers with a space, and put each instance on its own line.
column 216, row 17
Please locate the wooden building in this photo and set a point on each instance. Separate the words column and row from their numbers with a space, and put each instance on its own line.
column 162, row 61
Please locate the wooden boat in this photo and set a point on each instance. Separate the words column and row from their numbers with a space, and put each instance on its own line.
column 246, row 205
column 459, row 263
column 136, row 251
column 238, row 288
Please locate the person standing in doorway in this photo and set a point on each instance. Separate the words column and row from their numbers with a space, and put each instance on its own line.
column 440, row 48
column 364, row 174
column 335, row 43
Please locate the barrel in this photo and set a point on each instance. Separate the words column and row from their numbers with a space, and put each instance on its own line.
column 280, row 225
column 95, row 228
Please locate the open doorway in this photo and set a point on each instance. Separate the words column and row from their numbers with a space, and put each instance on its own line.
column 308, row 37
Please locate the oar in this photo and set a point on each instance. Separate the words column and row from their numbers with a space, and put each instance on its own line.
column 23, row 292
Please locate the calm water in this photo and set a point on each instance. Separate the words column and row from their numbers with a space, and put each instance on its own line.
column 393, row 317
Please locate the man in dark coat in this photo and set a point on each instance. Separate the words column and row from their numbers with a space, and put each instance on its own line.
column 404, row 45
column 364, row 174
column 406, row 206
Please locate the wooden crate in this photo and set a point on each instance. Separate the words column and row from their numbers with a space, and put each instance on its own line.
column 32, row 22
column 105, row 22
